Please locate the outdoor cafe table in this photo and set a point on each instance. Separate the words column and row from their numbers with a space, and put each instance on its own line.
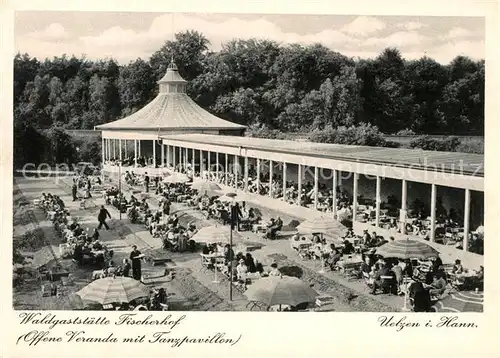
column 351, row 262
column 301, row 244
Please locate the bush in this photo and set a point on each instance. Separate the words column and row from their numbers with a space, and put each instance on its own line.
column 425, row 142
column 471, row 145
column 405, row 132
column 266, row 132
column 364, row 134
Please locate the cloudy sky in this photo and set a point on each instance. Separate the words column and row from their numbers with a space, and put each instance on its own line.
column 127, row 36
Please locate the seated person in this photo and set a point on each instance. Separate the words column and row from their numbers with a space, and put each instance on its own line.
column 479, row 279
column 334, row 257
column 438, row 285
column 398, row 272
column 250, row 263
column 420, row 297
column 457, row 267
column 274, row 270
column 365, row 266
column 378, row 283
column 348, row 248
column 241, row 270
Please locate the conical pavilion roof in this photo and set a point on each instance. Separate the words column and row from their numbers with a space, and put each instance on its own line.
column 172, row 110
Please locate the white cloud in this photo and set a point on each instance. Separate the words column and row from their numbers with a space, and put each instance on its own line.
column 364, row 25
column 218, row 33
column 457, row 32
column 396, row 39
column 54, row 31
column 125, row 44
column 412, row 25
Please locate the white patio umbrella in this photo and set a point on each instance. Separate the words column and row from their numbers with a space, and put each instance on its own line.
column 206, row 186
column 176, row 178
column 320, row 225
column 113, row 290
column 284, row 290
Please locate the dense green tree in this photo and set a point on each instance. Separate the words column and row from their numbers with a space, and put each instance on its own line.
column 267, row 86
column 136, row 84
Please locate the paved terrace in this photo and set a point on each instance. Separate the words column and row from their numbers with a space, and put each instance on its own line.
column 191, row 289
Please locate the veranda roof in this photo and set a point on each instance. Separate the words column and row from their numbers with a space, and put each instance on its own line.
column 172, row 111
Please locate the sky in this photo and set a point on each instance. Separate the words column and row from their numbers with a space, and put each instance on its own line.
column 126, row 36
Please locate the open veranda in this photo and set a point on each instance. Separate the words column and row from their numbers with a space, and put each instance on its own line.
column 170, row 246
column 186, row 213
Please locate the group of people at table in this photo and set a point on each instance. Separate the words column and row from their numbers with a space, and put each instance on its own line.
column 423, row 280
column 245, row 267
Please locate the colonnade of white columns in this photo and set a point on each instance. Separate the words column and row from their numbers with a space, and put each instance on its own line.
column 172, row 156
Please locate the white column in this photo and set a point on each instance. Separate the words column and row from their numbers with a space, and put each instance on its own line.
column 377, row 202
column 271, row 178
column 217, row 166
column 120, row 150
column 208, row 165
column 299, row 177
column 404, row 198
column 162, row 154
column 126, row 148
column 334, row 200
column 103, row 149
column 135, row 152
column 201, row 164
column 193, row 162
column 139, row 147
column 186, row 157
column 114, row 148
column 432, row 235
column 225, row 170
column 258, row 176
column 316, row 188
column 235, row 170
column 284, row 181
column 466, row 220
column 174, row 157
column 154, row 153
column 355, row 197
column 246, row 174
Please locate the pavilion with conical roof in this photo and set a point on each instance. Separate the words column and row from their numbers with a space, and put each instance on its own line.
column 172, row 111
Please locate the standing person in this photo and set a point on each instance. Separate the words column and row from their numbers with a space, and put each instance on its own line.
column 74, row 190
column 135, row 257
column 89, row 187
column 146, row 182
column 235, row 216
column 103, row 214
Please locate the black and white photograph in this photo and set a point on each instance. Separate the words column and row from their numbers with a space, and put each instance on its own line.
column 195, row 161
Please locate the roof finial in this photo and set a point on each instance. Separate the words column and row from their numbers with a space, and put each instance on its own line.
column 172, row 65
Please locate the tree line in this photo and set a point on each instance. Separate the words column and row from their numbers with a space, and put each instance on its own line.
column 267, row 86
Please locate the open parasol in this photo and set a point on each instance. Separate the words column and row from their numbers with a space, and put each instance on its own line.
column 206, row 186
column 283, row 290
column 213, row 234
column 407, row 249
column 176, row 178
column 113, row 290
column 320, row 225
column 462, row 301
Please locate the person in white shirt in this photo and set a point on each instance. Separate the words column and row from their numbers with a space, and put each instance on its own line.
column 274, row 270
column 241, row 270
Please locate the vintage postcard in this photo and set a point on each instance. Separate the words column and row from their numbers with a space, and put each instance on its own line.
column 186, row 179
